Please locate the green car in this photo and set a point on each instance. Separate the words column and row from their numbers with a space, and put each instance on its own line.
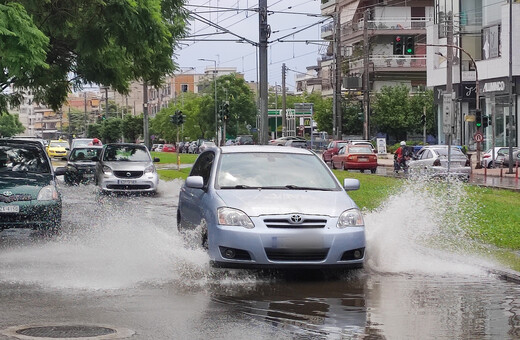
column 29, row 197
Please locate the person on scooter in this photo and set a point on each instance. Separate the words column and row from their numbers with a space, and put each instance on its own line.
column 401, row 155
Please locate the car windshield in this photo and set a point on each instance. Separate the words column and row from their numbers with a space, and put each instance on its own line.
column 273, row 171
column 84, row 154
column 81, row 142
column 131, row 153
column 23, row 158
column 59, row 145
column 360, row 149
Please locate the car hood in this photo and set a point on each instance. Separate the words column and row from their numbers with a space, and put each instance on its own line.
column 23, row 184
column 278, row 202
column 124, row 165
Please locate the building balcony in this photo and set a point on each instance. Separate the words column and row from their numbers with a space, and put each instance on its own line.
column 391, row 63
column 352, row 31
column 328, row 6
column 327, row 31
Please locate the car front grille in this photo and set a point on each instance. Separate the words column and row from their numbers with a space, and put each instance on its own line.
column 129, row 186
column 287, row 223
column 296, row 255
column 128, row 174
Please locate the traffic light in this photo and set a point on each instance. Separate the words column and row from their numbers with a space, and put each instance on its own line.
column 398, row 45
column 180, row 118
column 409, row 45
column 423, row 119
column 486, row 121
column 174, row 119
column 225, row 112
column 478, row 118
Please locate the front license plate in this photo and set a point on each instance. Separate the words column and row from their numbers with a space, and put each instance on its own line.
column 126, row 181
column 10, row 209
column 298, row 242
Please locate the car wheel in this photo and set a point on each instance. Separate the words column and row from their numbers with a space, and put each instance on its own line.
column 373, row 171
column 362, row 171
column 343, row 166
column 204, row 235
column 179, row 220
column 333, row 166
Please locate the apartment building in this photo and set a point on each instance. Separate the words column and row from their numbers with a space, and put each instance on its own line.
column 480, row 68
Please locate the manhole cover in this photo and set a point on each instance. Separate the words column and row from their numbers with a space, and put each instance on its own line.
column 69, row 332
column 60, row 332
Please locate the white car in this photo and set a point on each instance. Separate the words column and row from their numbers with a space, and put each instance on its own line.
column 125, row 167
column 501, row 152
column 432, row 161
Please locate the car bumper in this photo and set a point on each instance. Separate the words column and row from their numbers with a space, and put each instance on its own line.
column 57, row 154
column 361, row 166
column 145, row 183
column 32, row 214
column 259, row 247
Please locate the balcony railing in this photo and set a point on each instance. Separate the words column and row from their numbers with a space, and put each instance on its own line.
column 327, row 28
column 385, row 24
column 392, row 61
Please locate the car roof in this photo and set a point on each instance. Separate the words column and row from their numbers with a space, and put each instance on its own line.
column 21, row 141
column 88, row 146
column 262, row 148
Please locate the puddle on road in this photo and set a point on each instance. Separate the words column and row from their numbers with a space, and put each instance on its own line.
column 119, row 242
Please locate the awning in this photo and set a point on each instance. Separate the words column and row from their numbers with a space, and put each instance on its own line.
column 348, row 11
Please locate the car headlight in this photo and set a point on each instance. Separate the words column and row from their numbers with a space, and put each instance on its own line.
column 48, row 193
column 234, row 217
column 149, row 169
column 350, row 218
column 107, row 170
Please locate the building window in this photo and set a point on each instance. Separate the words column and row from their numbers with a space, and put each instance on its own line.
column 184, row 87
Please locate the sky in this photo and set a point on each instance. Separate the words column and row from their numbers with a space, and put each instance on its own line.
column 288, row 17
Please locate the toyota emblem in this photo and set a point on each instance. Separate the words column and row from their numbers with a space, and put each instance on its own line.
column 7, row 193
column 128, row 174
column 296, row 219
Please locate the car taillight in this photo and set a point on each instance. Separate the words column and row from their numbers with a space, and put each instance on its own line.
column 437, row 162
column 486, row 156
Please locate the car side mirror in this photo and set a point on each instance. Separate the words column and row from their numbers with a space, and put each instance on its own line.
column 351, row 184
column 196, row 182
column 60, row 171
column 156, row 160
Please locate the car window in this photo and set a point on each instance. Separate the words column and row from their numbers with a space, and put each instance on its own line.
column 425, row 154
column 360, row 149
column 444, row 151
column 59, row 145
column 130, row 153
column 86, row 154
column 23, row 158
column 273, row 171
column 202, row 166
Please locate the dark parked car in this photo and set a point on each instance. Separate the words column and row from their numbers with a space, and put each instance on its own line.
column 81, row 166
column 29, row 197
column 332, row 149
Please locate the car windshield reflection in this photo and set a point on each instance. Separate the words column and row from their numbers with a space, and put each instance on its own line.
column 273, row 171
column 22, row 158
column 126, row 153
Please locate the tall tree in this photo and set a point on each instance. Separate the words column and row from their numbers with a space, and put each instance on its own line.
column 392, row 112
column 132, row 127
column 10, row 125
column 108, row 42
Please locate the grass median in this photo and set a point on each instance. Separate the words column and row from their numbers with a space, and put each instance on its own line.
column 496, row 211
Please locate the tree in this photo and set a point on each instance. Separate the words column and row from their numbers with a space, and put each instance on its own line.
column 105, row 42
column 132, row 127
column 418, row 103
column 111, row 130
column 94, row 131
column 392, row 113
column 10, row 125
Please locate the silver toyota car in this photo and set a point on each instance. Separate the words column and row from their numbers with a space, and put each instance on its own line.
column 266, row 206
column 126, row 167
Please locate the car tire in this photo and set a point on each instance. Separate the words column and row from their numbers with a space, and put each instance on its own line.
column 204, row 235
column 332, row 163
column 343, row 166
column 362, row 171
column 373, row 171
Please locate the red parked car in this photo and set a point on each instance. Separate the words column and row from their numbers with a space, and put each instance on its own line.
column 332, row 149
column 355, row 157
column 168, row 148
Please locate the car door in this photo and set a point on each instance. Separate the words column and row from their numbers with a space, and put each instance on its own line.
column 191, row 199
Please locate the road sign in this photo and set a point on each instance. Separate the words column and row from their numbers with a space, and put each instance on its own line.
column 447, row 112
column 478, row 137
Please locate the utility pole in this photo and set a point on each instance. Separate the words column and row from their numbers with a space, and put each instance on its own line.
column 85, row 112
column 145, row 115
column 510, row 125
column 337, row 78
column 284, row 103
column 366, row 79
column 106, row 102
column 448, row 96
column 264, row 33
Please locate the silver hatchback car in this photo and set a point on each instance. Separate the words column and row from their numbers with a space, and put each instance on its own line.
column 126, row 167
column 266, row 206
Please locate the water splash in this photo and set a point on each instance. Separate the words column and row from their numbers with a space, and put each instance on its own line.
column 422, row 230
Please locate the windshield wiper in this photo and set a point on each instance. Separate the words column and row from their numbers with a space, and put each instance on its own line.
column 297, row 187
column 239, row 186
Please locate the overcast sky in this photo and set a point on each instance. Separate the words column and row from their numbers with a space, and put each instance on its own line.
column 285, row 22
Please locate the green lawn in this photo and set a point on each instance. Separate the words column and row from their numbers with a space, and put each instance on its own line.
column 171, row 157
column 495, row 213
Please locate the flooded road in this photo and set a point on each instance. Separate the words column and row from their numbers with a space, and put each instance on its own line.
column 121, row 263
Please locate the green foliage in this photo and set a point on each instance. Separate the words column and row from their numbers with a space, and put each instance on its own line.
column 10, row 125
column 396, row 113
column 94, row 131
column 352, row 111
column 171, row 174
column 171, row 157
column 111, row 130
column 132, row 127
column 108, row 42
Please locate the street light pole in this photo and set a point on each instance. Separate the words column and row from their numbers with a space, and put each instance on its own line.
column 215, row 85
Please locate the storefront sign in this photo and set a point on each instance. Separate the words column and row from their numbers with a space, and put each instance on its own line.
column 494, row 86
